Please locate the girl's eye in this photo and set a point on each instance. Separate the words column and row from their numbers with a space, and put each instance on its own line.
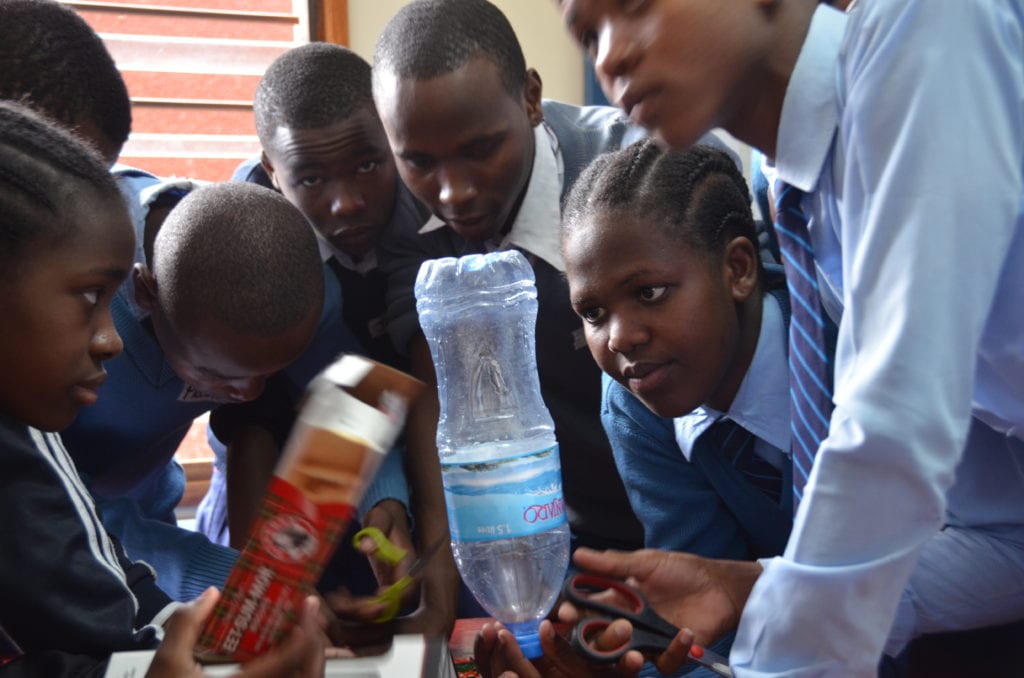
column 592, row 315
column 367, row 167
column 309, row 182
column 653, row 293
column 92, row 296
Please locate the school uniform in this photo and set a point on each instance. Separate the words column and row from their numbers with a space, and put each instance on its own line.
column 356, row 307
column 917, row 255
column 678, row 505
column 570, row 137
column 715, row 508
column 124, row 444
column 66, row 588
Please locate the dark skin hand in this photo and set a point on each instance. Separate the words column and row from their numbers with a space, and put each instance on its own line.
column 390, row 518
column 439, row 583
column 703, row 595
column 302, row 654
column 498, row 655
column 252, row 456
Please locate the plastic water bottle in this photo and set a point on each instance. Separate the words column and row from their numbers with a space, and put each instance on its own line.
column 499, row 457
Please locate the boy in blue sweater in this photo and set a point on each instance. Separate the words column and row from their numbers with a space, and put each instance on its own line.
column 325, row 151
column 202, row 325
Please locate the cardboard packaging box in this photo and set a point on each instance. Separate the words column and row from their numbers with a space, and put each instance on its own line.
column 352, row 414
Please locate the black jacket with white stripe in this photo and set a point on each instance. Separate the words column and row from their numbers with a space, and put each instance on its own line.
column 65, row 586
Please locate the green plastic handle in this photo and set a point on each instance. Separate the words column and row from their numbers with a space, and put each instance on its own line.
column 391, row 599
column 386, row 551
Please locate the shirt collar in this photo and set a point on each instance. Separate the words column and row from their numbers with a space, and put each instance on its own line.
column 406, row 209
column 536, row 226
column 810, row 109
column 761, row 405
column 363, row 266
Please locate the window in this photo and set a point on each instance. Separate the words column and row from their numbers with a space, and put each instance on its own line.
column 191, row 67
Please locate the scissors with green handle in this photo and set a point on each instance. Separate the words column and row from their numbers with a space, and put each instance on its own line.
column 390, row 554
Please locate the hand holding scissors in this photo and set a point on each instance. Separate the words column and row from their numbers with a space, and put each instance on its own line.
column 650, row 631
column 386, row 552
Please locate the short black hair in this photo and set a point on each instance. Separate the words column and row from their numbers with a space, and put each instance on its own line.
column 430, row 38
column 312, row 86
column 56, row 63
column 697, row 195
column 241, row 254
column 42, row 168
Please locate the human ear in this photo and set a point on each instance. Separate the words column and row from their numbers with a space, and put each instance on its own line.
column 741, row 267
column 532, row 93
column 145, row 287
column 269, row 169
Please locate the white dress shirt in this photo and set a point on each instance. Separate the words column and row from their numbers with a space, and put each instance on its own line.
column 541, row 207
column 366, row 264
column 904, row 121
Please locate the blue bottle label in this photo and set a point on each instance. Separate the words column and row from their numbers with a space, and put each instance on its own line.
column 504, row 498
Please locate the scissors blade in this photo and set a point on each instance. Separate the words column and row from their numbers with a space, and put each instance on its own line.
column 391, row 597
column 647, row 639
column 710, row 660
column 425, row 557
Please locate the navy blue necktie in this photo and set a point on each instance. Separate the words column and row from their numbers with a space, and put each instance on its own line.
column 810, row 366
column 735, row 445
column 749, row 486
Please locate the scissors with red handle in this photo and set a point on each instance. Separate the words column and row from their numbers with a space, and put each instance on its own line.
column 650, row 631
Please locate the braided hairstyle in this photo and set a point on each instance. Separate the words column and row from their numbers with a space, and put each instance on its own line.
column 45, row 170
column 430, row 38
column 55, row 62
column 697, row 196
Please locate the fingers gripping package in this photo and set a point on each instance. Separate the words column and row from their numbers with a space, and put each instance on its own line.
column 352, row 413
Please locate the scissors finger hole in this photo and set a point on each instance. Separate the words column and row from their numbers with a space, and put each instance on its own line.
column 603, row 593
column 587, row 636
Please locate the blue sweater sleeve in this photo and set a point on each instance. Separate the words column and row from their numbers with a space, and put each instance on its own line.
column 388, row 483
column 674, row 502
column 678, row 508
column 186, row 563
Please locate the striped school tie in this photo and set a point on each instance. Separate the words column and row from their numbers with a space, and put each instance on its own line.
column 810, row 365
